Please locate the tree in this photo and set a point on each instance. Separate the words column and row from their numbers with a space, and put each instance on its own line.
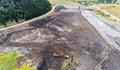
column 34, row 8
column 107, row 1
column 14, row 10
column 2, row 20
column 12, row 13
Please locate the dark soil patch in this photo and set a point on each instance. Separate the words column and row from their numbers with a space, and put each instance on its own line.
column 66, row 31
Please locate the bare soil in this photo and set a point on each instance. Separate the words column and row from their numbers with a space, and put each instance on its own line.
column 66, row 31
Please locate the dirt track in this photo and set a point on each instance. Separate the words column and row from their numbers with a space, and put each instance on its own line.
column 66, row 31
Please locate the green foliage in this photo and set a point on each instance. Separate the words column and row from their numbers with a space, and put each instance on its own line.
column 2, row 20
column 26, row 67
column 101, row 13
column 88, row 2
column 107, row 1
column 34, row 8
column 112, row 9
column 8, row 61
column 13, row 10
column 85, row 2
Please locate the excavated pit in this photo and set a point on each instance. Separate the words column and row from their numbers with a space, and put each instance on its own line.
column 67, row 32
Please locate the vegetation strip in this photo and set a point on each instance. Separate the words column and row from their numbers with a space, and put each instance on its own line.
column 107, row 13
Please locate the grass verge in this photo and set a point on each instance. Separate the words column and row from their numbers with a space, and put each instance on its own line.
column 114, row 9
column 107, row 16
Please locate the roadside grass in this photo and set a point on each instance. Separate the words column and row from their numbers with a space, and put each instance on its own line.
column 106, row 16
column 114, row 9
column 11, row 23
column 66, row 3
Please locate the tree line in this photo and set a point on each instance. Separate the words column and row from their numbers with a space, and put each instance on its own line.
column 91, row 2
column 107, row 1
column 14, row 10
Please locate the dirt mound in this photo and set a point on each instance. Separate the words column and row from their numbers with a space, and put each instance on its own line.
column 50, row 40
column 58, row 8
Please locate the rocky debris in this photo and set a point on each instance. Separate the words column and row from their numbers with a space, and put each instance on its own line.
column 61, row 54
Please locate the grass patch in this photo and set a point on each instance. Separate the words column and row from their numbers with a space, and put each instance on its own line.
column 114, row 9
column 66, row 3
column 1, row 26
column 70, row 64
column 11, row 23
column 106, row 16
column 101, row 13
column 8, row 61
column 87, row 2
column 26, row 67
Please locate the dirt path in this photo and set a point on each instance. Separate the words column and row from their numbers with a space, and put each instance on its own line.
column 108, row 30
column 66, row 32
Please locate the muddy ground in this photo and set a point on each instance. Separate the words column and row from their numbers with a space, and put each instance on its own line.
column 66, row 33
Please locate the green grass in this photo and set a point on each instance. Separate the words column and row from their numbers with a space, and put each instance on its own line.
column 63, row 3
column 9, row 61
column 112, row 9
column 1, row 26
column 101, row 13
column 106, row 16
column 88, row 2
column 11, row 23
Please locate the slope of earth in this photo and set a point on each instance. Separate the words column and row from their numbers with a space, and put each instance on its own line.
column 110, row 32
column 50, row 41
